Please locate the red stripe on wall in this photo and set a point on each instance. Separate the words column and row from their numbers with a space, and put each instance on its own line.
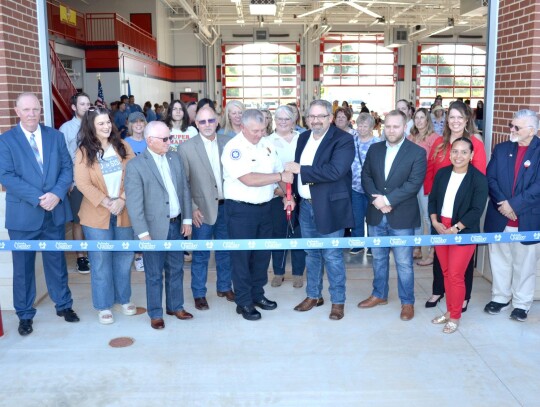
column 413, row 74
column 316, row 72
column 401, row 73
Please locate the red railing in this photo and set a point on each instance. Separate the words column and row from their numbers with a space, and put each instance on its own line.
column 61, row 80
column 75, row 33
column 110, row 29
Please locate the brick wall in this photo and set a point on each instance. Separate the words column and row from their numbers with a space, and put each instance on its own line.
column 19, row 56
column 518, row 63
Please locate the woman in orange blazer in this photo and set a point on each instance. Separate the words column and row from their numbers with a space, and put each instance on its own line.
column 100, row 164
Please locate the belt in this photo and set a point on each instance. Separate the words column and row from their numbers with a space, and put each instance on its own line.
column 221, row 201
column 310, row 201
column 174, row 220
column 249, row 203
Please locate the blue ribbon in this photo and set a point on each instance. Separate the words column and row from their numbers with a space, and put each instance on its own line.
column 266, row 244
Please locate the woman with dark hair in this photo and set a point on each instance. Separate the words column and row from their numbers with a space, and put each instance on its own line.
column 459, row 123
column 205, row 101
column 479, row 115
column 423, row 135
column 342, row 120
column 100, row 164
column 456, row 204
column 177, row 120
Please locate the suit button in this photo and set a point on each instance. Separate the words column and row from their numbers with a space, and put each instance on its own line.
column 217, row 199
column 166, row 203
column 168, row 216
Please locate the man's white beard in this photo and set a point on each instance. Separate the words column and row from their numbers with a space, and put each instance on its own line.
column 514, row 138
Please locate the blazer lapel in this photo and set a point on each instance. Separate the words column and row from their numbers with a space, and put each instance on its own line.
column 27, row 149
column 463, row 189
column 153, row 167
column 174, row 171
column 201, row 152
column 46, row 146
column 524, row 173
column 399, row 156
column 330, row 134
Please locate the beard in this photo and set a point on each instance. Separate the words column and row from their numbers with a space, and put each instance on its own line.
column 514, row 138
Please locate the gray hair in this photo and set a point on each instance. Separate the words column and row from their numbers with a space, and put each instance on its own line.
column 531, row 117
column 287, row 111
column 252, row 115
column 324, row 103
column 151, row 127
column 365, row 118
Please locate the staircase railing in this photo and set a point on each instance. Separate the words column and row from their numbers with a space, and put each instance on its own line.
column 61, row 82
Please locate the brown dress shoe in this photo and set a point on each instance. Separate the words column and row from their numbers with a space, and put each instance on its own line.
column 407, row 312
column 227, row 294
column 180, row 314
column 371, row 302
column 309, row 303
column 157, row 323
column 201, row 304
column 337, row 311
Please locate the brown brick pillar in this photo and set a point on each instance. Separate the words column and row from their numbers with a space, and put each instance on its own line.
column 517, row 82
column 19, row 56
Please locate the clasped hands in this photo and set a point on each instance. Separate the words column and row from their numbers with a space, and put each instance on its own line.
column 380, row 203
column 48, row 201
column 506, row 210
column 115, row 206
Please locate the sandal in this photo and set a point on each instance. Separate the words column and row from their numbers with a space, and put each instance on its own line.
column 128, row 309
column 450, row 327
column 441, row 319
column 428, row 261
column 105, row 317
column 417, row 254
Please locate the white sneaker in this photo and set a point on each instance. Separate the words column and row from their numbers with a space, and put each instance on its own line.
column 139, row 264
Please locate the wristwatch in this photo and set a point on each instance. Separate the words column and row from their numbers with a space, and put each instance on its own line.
column 457, row 228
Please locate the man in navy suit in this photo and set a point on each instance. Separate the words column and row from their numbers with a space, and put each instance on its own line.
column 36, row 170
column 392, row 175
column 324, row 183
column 514, row 205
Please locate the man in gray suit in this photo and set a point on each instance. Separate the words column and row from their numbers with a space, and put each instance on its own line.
column 202, row 164
column 159, row 206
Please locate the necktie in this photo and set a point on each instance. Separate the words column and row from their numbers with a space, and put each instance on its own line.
column 34, row 146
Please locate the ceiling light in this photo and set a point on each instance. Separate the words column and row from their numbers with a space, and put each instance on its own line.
column 262, row 7
column 354, row 21
column 240, row 21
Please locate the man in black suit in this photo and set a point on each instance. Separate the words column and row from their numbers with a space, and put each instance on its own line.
column 324, row 183
column 392, row 176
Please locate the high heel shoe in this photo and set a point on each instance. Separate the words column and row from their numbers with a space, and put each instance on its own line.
column 431, row 304
column 464, row 308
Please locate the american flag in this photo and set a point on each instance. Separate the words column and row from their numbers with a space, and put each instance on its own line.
column 100, row 91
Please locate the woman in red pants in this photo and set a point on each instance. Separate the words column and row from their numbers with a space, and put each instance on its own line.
column 456, row 203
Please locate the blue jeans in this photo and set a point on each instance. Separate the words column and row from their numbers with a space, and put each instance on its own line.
column 317, row 259
column 172, row 263
column 280, row 231
column 404, row 264
column 111, row 271
column 199, row 266
column 359, row 207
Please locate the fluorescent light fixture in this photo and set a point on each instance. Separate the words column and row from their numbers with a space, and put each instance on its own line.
column 353, row 21
column 262, row 7
column 441, row 30
column 278, row 21
column 240, row 21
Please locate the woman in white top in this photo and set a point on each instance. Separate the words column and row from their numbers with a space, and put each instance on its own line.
column 178, row 121
column 284, row 140
column 100, row 164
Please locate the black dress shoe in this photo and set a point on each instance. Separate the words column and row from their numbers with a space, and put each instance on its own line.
column 68, row 314
column 248, row 312
column 265, row 304
column 25, row 327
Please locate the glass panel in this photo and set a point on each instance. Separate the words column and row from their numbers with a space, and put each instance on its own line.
column 350, row 47
column 366, row 47
column 284, row 48
column 233, row 59
column 463, row 71
column 287, row 70
column 447, row 49
column 252, row 81
column 428, row 70
column 331, row 80
column 463, row 49
column 349, row 80
column 233, row 49
column 270, row 92
column 287, row 92
column 252, row 92
column 233, row 70
column 385, row 69
column 332, row 58
column 385, row 58
column 463, row 81
column 428, row 93
column 478, row 81
column 368, row 58
column 287, row 81
column 428, row 81
column 446, row 92
column 446, row 59
column 479, row 60
column 287, row 59
column 270, row 81
column 331, row 69
column 429, row 49
column 445, row 81
column 463, row 59
column 251, row 103
column 233, row 92
column 252, row 48
column 476, row 92
column 462, row 92
column 367, row 80
column 270, row 70
column 349, row 69
column 233, row 81
column 385, row 80
column 252, row 70
column 368, row 70
column 349, row 58
column 429, row 59
column 269, row 59
column 445, row 70
column 332, row 47
column 479, row 50
column 479, row 71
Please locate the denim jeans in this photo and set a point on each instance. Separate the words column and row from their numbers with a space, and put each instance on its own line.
column 404, row 264
column 111, row 271
column 199, row 266
column 425, row 226
column 359, row 207
column 279, row 231
column 317, row 259
column 172, row 263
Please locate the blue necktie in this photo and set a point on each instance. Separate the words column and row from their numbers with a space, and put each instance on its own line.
column 33, row 144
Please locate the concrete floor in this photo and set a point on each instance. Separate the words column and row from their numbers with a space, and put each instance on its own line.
column 370, row 358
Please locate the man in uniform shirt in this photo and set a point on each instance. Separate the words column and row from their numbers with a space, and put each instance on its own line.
column 323, row 163
column 201, row 158
column 251, row 167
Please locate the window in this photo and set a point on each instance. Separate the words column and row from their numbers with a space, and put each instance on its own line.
column 452, row 71
column 261, row 75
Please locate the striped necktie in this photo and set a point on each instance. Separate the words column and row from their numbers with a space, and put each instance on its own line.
column 35, row 149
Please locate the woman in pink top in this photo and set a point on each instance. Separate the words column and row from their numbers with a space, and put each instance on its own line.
column 459, row 123
column 422, row 134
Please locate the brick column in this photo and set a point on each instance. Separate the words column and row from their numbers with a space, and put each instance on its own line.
column 517, row 82
column 19, row 72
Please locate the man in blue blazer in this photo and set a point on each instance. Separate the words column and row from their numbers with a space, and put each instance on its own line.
column 514, row 205
column 323, row 181
column 36, row 170
column 392, row 175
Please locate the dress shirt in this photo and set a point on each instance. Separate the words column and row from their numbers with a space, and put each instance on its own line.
column 307, row 157
column 37, row 139
column 391, row 153
column 450, row 196
column 165, row 172
column 70, row 129
column 212, row 151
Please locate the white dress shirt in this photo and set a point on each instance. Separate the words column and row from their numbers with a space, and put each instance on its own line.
column 165, row 172
column 212, row 151
column 307, row 157
column 37, row 137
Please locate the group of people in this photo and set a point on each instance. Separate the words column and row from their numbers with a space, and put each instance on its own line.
column 169, row 180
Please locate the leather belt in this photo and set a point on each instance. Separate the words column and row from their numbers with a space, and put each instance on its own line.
column 249, row 203
column 221, row 202
column 308, row 200
column 174, row 220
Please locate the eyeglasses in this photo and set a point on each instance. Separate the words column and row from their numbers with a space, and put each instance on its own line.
column 516, row 128
column 204, row 122
column 164, row 139
column 318, row 117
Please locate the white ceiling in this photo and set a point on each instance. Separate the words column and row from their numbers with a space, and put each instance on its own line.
column 211, row 15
